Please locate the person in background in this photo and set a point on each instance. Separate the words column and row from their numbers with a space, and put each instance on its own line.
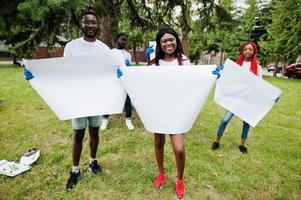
column 121, row 44
column 169, row 52
column 247, row 60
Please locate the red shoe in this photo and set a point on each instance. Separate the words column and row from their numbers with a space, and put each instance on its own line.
column 160, row 180
column 180, row 188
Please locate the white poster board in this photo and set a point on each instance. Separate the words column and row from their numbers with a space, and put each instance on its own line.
column 168, row 99
column 244, row 94
column 79, row 86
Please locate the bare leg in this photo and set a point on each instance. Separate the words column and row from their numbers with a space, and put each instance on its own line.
column 242, row 142
column 178, row 145
column 159, row 151
column 77, row 145
column 218, row 138
column 244, row 134
column 94, row 140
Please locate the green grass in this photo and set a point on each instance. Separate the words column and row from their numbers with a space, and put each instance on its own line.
column 271, row 170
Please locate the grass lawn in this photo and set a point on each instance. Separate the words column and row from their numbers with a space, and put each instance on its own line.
column 271, row 169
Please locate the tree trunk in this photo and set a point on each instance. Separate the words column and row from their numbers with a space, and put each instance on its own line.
column 264, row 63
column 108, row 22
column 135, row 55
column 108, row 31
column 185, row 45
column 197, row 59
column 283, row 68
column 275, row 69
column 209, row 58
column 185, row 25
column 222, row 57
column 15, row 62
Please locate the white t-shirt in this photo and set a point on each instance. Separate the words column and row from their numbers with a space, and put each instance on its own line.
column 80, row 46
column 247, row 66
column 174, row 62
column 126, row 55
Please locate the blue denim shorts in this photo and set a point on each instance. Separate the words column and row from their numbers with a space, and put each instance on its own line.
column 81, row 123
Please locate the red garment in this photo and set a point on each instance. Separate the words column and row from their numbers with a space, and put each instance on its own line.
column 254, row 64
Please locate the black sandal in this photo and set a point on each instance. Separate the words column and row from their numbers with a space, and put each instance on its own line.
column 215, row 146
column 243, row 149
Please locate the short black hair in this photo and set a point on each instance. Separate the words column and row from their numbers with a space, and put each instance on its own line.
column 89, row 11
column 121, row 34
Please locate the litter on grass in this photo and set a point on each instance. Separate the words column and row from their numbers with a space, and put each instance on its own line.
column 12, row 169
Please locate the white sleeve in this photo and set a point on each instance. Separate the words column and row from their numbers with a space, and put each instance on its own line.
column 129, row 57
column 67, row 50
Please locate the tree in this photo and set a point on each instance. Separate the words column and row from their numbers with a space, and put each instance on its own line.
column 284, row 33
column 211, row 20
column 249, row 20
column 109, row 21
column 25, row 24
column 8, row 19
column 28, row 23
column 241, row 29
column 136, row 34
column 42, row 21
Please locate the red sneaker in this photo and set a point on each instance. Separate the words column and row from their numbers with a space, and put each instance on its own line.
column 160, row 180
column 180, row 188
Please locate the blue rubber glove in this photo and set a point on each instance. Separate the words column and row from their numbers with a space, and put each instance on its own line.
column 221, row 67
column 28, row 75
column 119, row 72
column 148, row 51
column 217, row 71
column 277, row 99
column 128, row 63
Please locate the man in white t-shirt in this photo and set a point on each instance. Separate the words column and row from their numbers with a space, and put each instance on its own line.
column 121, row 44
column 88, row 44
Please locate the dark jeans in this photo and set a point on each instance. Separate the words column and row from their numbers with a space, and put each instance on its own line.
column 127, row 108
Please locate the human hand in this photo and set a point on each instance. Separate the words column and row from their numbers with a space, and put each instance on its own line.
column 217, row 71
column 119, row 72
column 149, row 50
column 28, row 75
column 220, row 67
column 128, row 63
